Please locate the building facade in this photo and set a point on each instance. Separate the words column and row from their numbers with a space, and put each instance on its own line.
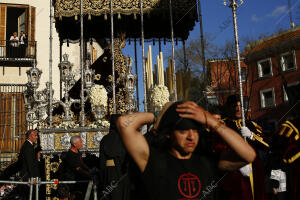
column 223, row 75
column 265, row 66
column 17, row 56
column 272, row 61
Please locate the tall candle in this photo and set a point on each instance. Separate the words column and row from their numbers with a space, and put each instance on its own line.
column 162, row 68
column 159, row 71
column 150, row 66
column 155, row 74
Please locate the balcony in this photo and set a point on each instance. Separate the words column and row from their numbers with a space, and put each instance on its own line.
column 14, row 54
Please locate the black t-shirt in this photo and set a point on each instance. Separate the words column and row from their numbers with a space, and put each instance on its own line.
column 168, row 178
column 72, row 162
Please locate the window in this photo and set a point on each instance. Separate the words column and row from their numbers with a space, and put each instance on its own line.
column 264, row 68
column 267, row 98
column 285, row 96
column 12, row 117
column 243, row 73
column 22, row 23
column 288, row 61
column 213, row 100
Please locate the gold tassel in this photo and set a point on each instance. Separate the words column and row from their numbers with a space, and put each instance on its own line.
column 60, row 17
column 105, row 16
column 134, row 16
column 76, row 17
column 119, row 16
column 89, row 17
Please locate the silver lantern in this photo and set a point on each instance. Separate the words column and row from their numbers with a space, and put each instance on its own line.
column 34, row 75
column 65, row 68
column 88, row 76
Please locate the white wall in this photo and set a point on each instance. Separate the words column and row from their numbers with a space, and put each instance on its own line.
column 42, row 31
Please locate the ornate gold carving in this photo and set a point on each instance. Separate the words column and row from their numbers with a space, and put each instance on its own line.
column 54, row 166
column 121, row 71
column 69, row 8
column 47, row 173
column 98, row 77
column 104, row 59
column 54, row 186
column 90, row 140
column 109, row 78
column 57, row 140
column 15, row 159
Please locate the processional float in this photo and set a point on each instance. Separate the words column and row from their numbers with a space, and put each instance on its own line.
column 107, row 85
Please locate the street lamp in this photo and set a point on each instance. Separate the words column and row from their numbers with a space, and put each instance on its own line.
column 234, row 5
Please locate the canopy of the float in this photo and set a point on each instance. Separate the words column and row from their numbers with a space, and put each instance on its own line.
column 126, row 18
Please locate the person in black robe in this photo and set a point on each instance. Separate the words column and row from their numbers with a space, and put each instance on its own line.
column 114, row 164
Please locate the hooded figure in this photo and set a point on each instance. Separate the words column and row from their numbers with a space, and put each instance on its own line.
column 114, row 180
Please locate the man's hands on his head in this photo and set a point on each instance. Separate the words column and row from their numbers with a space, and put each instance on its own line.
column 191, row 110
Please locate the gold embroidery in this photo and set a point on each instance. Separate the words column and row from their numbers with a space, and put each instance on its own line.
column 69, row 8
column 292, row 159
column 260, row 139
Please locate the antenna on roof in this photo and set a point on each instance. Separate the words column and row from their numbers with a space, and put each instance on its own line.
column 292, row 24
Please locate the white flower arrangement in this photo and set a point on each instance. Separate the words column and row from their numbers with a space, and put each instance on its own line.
column 100, row 124
column 98, row 96
column 67, row 125
column 159, row 96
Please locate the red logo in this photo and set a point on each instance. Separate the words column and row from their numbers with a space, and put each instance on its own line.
column 189, row 185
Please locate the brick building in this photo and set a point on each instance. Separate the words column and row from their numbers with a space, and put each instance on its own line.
column 271, row 61
column 265, row 65
column 224, row 81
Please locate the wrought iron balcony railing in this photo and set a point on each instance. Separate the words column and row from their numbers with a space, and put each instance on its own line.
column 11, row 51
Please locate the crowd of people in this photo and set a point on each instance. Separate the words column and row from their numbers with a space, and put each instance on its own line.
column 187, row 153
column 17, row 45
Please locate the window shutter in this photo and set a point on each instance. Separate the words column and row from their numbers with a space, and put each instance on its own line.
column 31, row 31
column 32, row 24
column 27, row 21
column 2, row 25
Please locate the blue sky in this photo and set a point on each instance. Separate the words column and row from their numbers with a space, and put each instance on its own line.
column 255, row 17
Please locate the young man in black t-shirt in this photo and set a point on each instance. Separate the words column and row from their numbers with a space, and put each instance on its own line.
column 175, row 172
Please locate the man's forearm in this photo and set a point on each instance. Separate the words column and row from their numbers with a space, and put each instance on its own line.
column 135, row 120
column 233, row 139
column 134, row 142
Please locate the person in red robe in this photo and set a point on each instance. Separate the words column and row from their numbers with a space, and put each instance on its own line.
column 248, row 182
column 289, row 142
